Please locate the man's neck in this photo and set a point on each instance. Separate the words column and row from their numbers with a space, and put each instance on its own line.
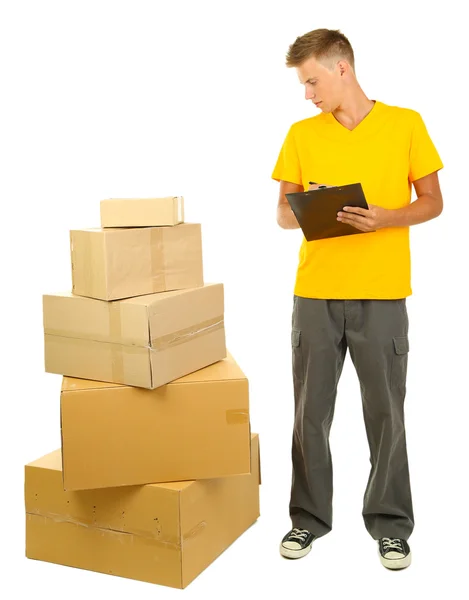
column 350, row 114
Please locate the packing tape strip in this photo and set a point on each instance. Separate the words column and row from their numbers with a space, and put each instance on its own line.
column 189, row 333
column 117, row 363
column 169, row 543
column 157, row 259
column 178, row 209
column 117, row 350
column 199, row 528
column 84, row 266
column 92, row 337
column 237, row 416
column 115, row 320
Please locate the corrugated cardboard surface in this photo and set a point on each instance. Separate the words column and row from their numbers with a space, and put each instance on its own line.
column 160, row 533
column 111, row 264
column 145, row 341
column 196, row 427
column 142, row 212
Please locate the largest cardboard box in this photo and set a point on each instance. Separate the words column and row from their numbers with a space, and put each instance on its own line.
column 160, row 533
column 110, row 264
column 145, row 341
column 196, row 427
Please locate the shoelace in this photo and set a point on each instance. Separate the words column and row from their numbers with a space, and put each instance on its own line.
column 389, row 543
column 300, row 534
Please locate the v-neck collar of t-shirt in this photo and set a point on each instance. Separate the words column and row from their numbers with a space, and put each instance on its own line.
column 367, row 125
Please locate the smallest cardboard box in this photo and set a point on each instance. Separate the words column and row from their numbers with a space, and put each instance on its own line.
column 112, row 264
column 142, row 212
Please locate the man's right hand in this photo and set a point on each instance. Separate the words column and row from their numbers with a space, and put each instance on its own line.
column 315, row 186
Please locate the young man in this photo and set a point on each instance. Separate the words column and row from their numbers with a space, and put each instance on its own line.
column 350, row 291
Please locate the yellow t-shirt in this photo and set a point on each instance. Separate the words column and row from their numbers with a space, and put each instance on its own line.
column 388, row 150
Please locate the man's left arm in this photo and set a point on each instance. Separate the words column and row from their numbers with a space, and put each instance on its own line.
column 428, row 205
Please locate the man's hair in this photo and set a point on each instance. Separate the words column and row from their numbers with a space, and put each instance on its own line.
column 325, row 45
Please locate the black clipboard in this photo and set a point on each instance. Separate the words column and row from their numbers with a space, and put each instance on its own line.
column 316, row 210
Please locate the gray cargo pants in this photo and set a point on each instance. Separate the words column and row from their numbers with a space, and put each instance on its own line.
column 376, row 333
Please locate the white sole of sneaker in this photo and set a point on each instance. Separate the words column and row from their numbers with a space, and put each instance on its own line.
column 396, row 563
column 287, row 553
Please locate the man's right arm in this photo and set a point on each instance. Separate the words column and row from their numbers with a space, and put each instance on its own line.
column 285, row 216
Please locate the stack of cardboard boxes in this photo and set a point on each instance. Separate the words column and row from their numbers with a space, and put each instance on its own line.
column 158, row 471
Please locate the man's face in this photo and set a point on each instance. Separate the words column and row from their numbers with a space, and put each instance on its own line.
column 322, row 87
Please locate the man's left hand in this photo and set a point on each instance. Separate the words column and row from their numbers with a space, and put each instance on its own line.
column 376, row 217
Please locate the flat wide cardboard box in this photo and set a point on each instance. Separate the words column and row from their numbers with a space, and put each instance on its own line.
column 111, row 264
column 145, row 341
column 196, row 427
column 142, row 212
column 159, row 533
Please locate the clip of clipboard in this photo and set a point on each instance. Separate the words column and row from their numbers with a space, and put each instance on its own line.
column 316, row 210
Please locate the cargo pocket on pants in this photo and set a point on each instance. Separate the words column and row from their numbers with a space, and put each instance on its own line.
column 297, row 355
column 399, row 362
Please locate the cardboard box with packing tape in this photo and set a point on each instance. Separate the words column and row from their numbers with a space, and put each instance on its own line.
column 111, row 264
column 196, row 427
column 164, row 533
column 142, row 212
column 145, row 341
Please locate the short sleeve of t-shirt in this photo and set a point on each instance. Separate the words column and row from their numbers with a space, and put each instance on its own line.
column 288, row 166
column 424, row 158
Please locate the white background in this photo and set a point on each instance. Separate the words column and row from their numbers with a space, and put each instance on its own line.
column 107, row 99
